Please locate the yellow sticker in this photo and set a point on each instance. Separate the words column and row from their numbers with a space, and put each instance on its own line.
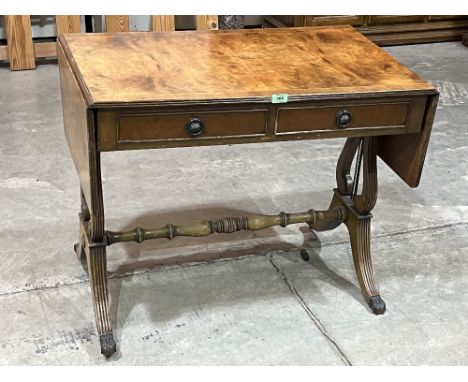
column 279, row 98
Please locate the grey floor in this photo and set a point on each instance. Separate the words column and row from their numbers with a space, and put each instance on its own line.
column 244, row 298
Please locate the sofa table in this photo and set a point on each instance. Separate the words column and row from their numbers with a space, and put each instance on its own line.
column 141, row 90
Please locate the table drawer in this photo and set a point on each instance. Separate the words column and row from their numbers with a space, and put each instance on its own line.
column 400, row 116
column 191, row 125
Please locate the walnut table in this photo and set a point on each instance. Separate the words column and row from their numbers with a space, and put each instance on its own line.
column 140, row 90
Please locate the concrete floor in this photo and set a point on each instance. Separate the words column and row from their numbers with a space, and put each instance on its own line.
column 245, row 298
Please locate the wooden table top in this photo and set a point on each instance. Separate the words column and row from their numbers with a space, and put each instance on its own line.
column 234, row 66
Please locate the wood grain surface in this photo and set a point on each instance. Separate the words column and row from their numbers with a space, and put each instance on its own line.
column 405, row 153
column 3, row 52
column 206, row 23
column 45, row 49
column 252, row 65
column 162, row 23
column 68, row 24
column 168, row 126
column 77, row 127
column 20, row 43
column 117, row 23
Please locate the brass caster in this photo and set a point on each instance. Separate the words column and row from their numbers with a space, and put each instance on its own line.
column 377, row 305
column 108, row 346
column 305, row 255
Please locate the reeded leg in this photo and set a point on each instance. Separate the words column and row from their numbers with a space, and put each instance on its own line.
column 358, row 220
column 93, row 244
column 359, row 234
column 81, row 134
column 95, row 255
column 97, row 265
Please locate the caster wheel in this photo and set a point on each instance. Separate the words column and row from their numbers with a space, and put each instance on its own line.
column 305, row 255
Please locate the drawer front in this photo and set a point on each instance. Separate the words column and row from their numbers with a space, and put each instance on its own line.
column 364, row 117
column 191, row 125
column 147, row 128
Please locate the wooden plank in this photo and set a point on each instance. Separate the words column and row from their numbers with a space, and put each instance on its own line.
column 385, row 39
column 3, row 52
column 394, row 19
column 334, row 20
column 20, row 44
column 162, row 23
column 41, row 49
column 206, row 23
column 68, row 24
column 45, row 49
column 117, row 24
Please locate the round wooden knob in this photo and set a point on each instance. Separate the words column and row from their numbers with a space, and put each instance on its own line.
column 194, row 127
column 343, row 118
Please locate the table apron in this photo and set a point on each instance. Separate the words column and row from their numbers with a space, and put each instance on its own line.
column 151, row 127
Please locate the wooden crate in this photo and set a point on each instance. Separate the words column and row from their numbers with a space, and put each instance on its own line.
column 22, row 51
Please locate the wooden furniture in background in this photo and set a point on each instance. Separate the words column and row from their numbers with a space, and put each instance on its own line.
column 118, row 93
column 387, row 30
column 22, row 52
column 206, row 23
column 162, row 23
column 19, row 42
column 68, row 24
column 117, row 24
